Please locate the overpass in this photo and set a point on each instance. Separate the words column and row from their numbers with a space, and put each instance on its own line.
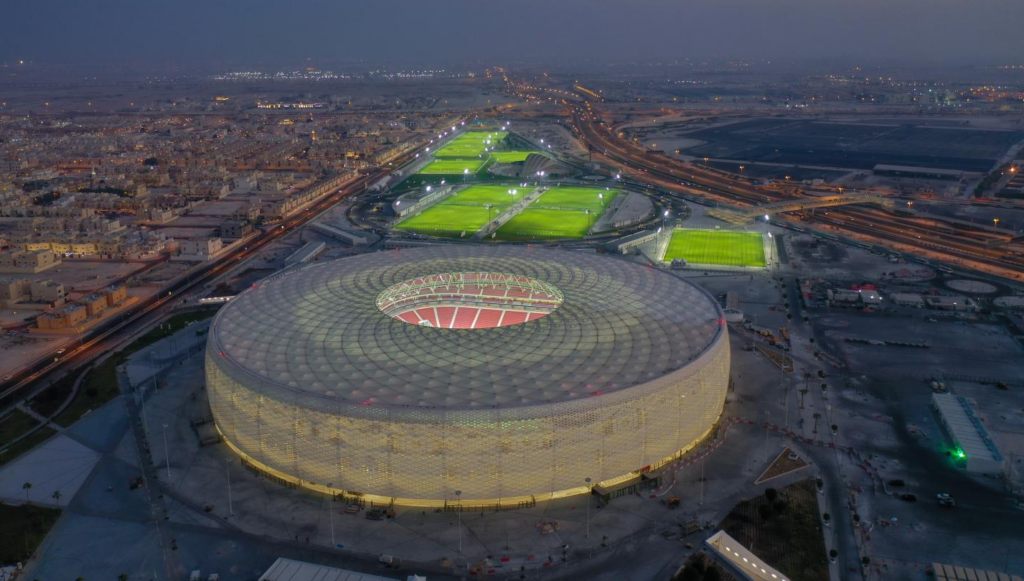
column 741, row 216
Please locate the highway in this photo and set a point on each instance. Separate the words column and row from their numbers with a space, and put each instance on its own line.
column 964, row 248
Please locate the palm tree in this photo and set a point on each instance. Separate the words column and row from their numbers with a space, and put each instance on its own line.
column 26, row 487
column 56, row 496
column 817, row 416
column 803, row 392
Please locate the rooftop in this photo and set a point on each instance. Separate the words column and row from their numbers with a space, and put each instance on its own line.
column 318, row 330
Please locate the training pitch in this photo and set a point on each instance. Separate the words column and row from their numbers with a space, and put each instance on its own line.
column 510, row 156
column 452, row 166
column 471, row 144
column 465, row 211
column 717, row 247
column 535, row 223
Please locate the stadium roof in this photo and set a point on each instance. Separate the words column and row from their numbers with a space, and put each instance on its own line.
column 290, row 570
column 317, row 331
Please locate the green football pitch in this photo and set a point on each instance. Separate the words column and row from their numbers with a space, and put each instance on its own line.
column 480, row 195
column 510, row 156
column 716, row 247
column 471, row 144
column 452, row 166
column 535, row 223
column 593, row 199
column 449, row 220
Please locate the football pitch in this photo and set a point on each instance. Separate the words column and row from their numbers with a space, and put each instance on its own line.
column 542, row 223
column 471, row 144
column 452, row 166
column 510, row 156
column 716, row 247
column 480, row 195
column 449, row 220
column 593, row 199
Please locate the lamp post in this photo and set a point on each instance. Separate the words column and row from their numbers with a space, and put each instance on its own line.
column 458, row 495
column 330, row 510
column 227, row 468
column 589, row 494
column 167, row 454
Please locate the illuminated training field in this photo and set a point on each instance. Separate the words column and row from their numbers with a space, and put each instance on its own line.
column 466, row 211
column 560, row 212
column 510, row 156
column 502, row 372
column 452, row 166
column 471, row 143
column 717, row 247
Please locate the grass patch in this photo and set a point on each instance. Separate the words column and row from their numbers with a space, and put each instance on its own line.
column 481, row 195
column 510, row 156
column 452, row 167
column 785, row 533
column 100, row 385
column 471, row 144
column 24, row 529
column 24, row 445
column 15, row 424
column 576, row 198
column 449, row 220
column 716, row 247
column 534, row 223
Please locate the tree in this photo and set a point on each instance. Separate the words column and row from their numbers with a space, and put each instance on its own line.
column 770, row 494
column 122, row 577
column 817, row 416
column 803, row 392
column 26, row 487
column 150, row 161
column 765, row 511
column 56, row 496
column 712, row 574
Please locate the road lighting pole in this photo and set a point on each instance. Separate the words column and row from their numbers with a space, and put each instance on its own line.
column 167, row 455
column 458, row 495
column 589, row 494
column 227, row 468
column 330, row 510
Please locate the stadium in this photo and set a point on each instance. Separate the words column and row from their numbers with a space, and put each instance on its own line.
column 492, row 374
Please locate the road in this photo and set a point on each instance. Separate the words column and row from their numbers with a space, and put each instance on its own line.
column 965, row 248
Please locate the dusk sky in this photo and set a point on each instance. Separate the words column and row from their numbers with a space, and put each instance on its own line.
column 251, row 31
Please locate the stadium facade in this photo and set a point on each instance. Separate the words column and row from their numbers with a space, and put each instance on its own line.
column 503, row 373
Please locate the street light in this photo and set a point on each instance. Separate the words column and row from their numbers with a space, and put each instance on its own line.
column 995, row 221
column 590, row 493
column 330, row 510
column 458, row 495
column 227, row 468
column 167, row 454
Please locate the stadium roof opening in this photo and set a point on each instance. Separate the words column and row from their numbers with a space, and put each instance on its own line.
column 469, row 300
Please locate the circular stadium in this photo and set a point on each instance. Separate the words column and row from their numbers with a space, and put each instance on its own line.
column 497, row 374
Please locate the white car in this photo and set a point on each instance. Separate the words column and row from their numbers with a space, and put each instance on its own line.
column 61, row 351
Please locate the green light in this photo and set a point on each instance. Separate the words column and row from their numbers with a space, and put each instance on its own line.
column 960, row 453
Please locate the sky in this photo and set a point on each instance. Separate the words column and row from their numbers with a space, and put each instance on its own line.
column 421, row 31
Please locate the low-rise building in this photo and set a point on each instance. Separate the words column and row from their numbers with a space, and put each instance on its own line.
column 235, row 229
column 48, row 291
column 199, row 248
column 66, row 317
column 28, row 261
